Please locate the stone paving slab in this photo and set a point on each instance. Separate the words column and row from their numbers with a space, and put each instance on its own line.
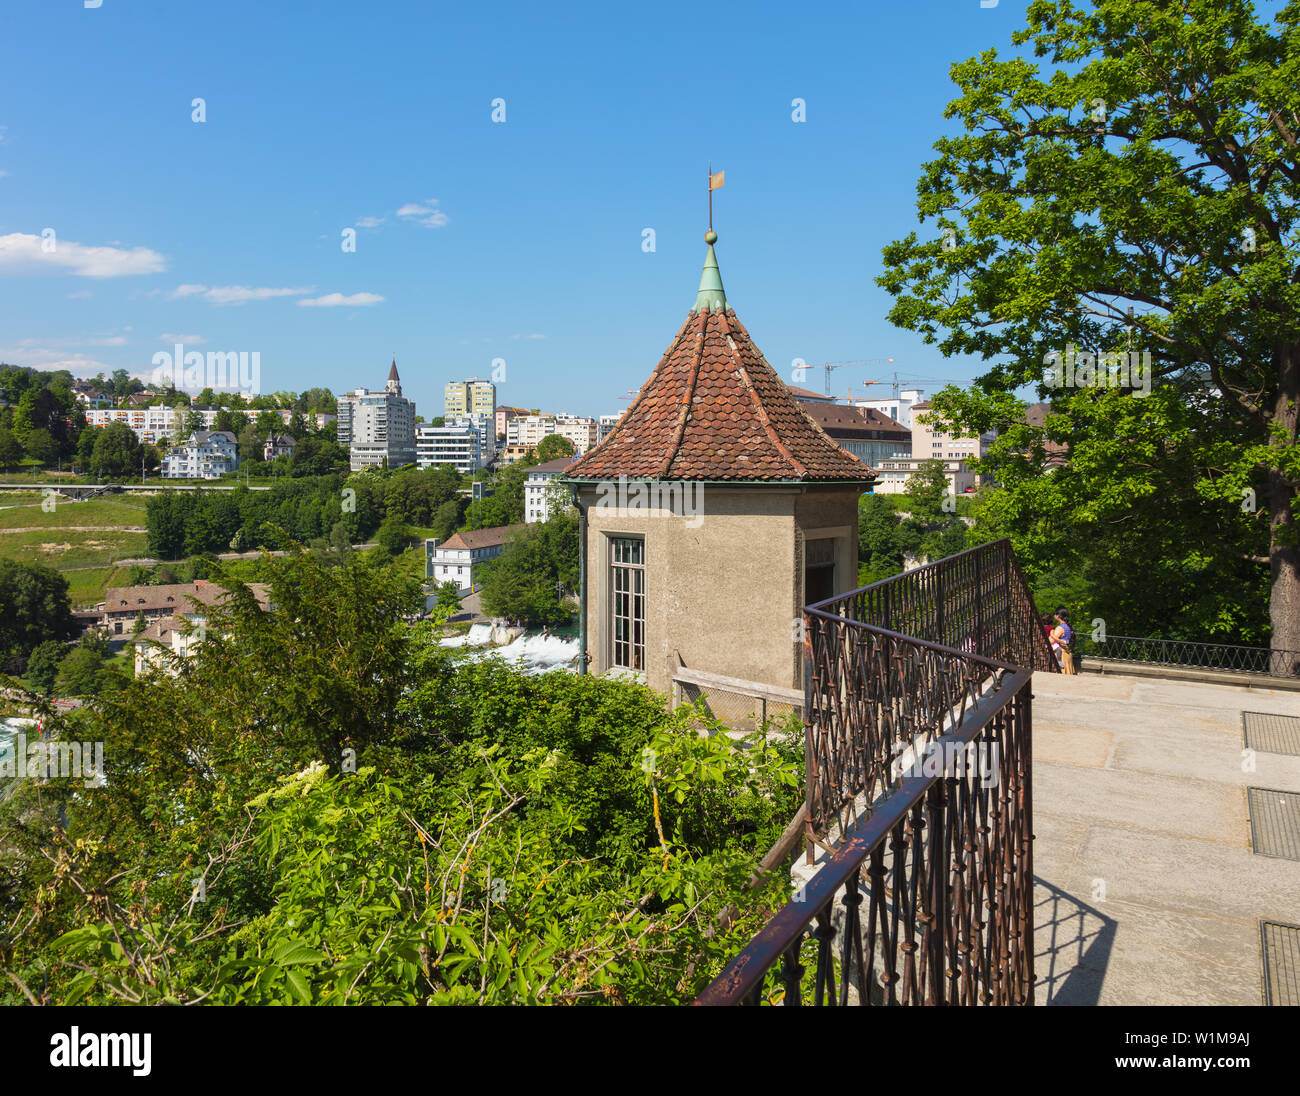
column 1147, row 889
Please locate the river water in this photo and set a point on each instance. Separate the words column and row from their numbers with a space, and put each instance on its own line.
column 534, row 654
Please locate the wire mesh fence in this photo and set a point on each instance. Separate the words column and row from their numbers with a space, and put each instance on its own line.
column 736, row 710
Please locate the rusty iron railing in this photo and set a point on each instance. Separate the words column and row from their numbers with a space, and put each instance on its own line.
column 907, row 681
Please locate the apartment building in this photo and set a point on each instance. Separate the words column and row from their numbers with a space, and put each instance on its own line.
column 865, row 432
column 929, row 442
column 894, row 474
column 124, row 604
column 471, row 397
column 583, row 431
column 466, row 442
column 503, row 416
column 378, row 428
column 208, row 454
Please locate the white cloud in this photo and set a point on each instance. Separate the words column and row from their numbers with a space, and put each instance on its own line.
column 370, row 222
column 21, row 253
column 424, row 213
column 234, row 294
column 193, row 340
column 528, row 336
column 49, row 359
column 340, row 300
column 80, row 295
column 75, row 340
column 3, row 173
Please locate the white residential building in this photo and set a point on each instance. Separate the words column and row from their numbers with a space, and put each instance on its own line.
column 584, row 432
column 207, row 455
column 537, row 488
column 467, row 442
column 893, row 475
column 529, row 430
column 899, row 407
column 378, row 427
column 456, row 559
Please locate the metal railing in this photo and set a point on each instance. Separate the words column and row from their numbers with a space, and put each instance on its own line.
column 904, row 681
column 1191, row 654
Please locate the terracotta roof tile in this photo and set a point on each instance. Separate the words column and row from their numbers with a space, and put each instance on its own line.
column 480, row 538
column 714, row 409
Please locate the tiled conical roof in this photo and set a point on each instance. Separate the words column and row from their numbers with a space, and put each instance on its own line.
column 392, row 372
column 713, row 409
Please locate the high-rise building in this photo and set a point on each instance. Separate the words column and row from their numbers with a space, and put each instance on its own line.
column 378, row 427
column 471, row 397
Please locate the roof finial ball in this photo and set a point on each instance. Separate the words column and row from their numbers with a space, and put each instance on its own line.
column 710, row 237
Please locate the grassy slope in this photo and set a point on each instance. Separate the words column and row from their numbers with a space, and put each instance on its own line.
column 81, row 539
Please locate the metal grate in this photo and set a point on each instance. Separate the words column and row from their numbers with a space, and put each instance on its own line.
column 1279, row 734
column 1281, row 947
column 1275, row 822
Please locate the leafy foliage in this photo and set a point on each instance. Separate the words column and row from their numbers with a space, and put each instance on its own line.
column 501, row 838
column 1141, row 196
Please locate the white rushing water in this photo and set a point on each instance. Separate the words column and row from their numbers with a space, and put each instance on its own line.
column 535, row 654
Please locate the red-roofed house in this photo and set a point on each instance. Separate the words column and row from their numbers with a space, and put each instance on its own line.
column 712, row 513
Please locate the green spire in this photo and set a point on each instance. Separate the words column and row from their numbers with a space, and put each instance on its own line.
column 711, row 296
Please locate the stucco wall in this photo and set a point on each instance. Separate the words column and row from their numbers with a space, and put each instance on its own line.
column 723, row 588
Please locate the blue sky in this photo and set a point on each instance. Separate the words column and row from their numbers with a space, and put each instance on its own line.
column 475, row 240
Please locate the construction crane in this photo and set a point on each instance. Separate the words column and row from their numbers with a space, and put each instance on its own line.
column 840, row 365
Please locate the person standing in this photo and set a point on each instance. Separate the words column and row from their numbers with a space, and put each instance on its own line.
column 1063, row 639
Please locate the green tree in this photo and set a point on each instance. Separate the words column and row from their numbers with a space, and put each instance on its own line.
column 393, row 535
column 445, row 519
column 250, row 444
column 554, row 446
column 116, row 452
column 926, row 489
column 448, row 602
column 35, row 604
column 528, row 581
column 43, row 665
column 1138, row 198
column 10, row 451
column 86, row 448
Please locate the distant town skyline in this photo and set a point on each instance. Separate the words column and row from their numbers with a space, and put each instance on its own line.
column 467, row 196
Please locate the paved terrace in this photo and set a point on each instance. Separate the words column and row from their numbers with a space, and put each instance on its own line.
column 1148, row 891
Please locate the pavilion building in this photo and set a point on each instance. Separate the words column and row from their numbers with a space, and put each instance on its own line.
column 714, row 510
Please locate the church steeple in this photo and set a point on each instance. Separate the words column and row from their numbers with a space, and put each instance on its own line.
column 394, row 384
column 711, row 295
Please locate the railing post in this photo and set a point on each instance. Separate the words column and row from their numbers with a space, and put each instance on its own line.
column 810, row 712
column 980, row 646
column 938, row 881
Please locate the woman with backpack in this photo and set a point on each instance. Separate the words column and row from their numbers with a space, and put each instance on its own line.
column 1063, row 640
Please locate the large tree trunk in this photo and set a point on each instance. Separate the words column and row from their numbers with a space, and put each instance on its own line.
column 1283, row 551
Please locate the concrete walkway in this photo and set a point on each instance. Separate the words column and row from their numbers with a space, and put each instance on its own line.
column 1147, row 889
